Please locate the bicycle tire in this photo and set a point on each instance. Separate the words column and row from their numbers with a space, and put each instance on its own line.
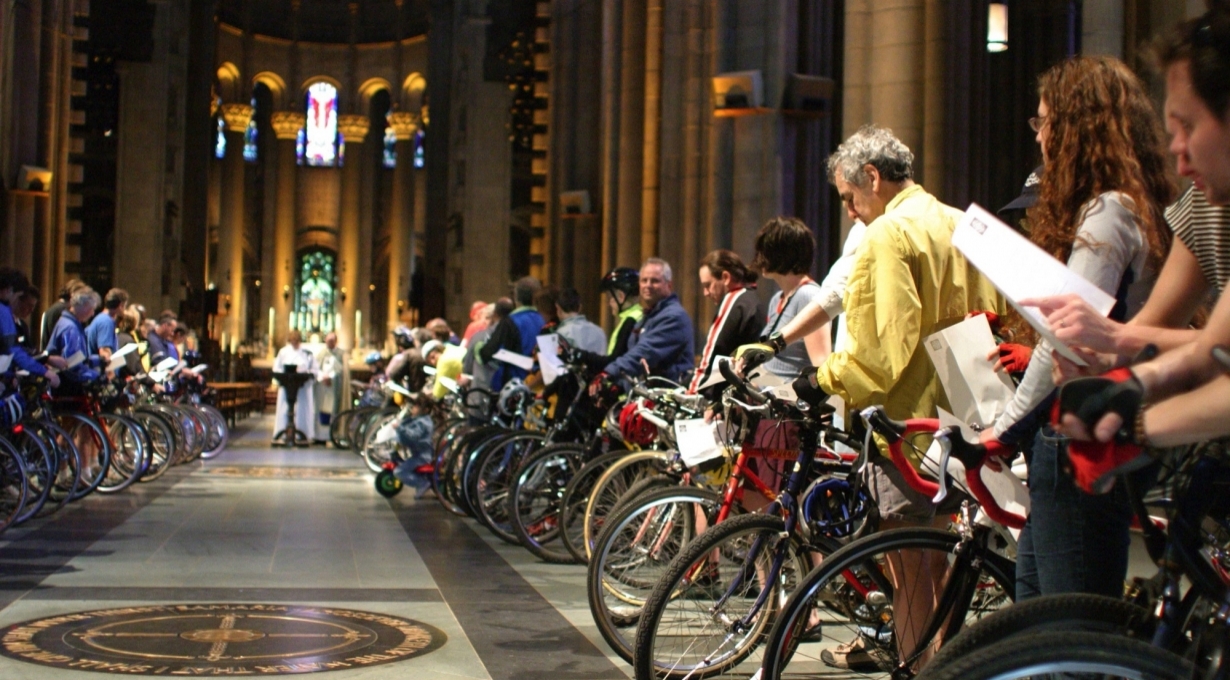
column 535, row 496
column 494, row 470
column 218, row 433
column 576, row 498
column 1069, row 611
column 68, row 464
column 128, row 452
column 852, row 614
column 13, row 484
column 1064, row 654
column 632, row 552
column 40, row 466
column 612, row 485
column 684, row 604
column 92, row 473
column 160, row 434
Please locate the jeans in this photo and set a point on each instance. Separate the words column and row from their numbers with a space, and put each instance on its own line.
column 1073, row 542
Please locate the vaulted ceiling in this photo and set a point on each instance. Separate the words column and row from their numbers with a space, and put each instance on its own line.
column 328, row 21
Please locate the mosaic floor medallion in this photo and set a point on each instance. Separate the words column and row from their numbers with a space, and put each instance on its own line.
column 219, row 640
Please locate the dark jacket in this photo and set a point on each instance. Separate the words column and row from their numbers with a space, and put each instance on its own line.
column 663, row 338
column 739, row 321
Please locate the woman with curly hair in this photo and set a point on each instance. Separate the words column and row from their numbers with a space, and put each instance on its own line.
column 1100, row 210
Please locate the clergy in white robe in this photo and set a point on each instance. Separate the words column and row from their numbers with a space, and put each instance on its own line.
column 333, row 387
column 305, row 404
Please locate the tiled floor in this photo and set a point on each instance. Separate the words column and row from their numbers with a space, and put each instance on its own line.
column 194, row 536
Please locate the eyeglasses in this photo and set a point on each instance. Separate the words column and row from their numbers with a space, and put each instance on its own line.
column 1037, row 123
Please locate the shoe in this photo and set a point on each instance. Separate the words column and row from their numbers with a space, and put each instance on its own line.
column 858, row 656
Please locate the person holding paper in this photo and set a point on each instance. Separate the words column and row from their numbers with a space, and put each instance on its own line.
column 68, row 340
column 447, row 360
column 294, row 354
column 907, row 282
column 1100, row 209
column 11, row 282
column 731, row 285
column 516, row 333
column 100, row 333
column 125, row 334
column 161, row 338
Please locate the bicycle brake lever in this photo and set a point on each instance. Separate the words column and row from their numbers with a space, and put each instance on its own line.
column 945, row 454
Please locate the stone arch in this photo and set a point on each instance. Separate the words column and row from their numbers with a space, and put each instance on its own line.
column 412, row 89
column 341, row 92
column 370, row 87
column 228, row 82
column 276, row 85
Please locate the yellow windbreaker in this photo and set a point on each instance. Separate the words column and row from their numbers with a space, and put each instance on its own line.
column 908, row 282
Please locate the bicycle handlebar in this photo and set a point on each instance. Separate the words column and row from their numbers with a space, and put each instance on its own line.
column 740, row 383
column 972, row 456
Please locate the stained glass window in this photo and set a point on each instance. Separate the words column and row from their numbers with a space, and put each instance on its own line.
column 390, row 148
column 220, row 141
column 315, row 310
column 250, row 152
column 420, row 148
column 300, row 140
column 321, row 141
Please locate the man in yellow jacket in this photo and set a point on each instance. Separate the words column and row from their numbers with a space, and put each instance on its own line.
column 907, row 282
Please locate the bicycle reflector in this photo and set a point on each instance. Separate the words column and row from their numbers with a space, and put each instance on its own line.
column 633, row 427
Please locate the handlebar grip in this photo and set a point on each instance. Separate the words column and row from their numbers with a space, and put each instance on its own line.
column 733, row 378
column 973, row 479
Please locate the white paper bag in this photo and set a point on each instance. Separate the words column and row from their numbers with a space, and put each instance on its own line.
column 976, row 393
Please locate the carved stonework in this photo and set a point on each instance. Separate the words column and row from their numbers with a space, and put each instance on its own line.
column 287, row 124
column 404, row 124
column 353, row 127
column 237, row 116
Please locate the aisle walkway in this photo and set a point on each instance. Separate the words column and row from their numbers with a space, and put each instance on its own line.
column 305, row 533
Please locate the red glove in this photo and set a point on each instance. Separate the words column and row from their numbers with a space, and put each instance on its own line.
column 1013, row 357
column 992, row 318
column 1094, row 465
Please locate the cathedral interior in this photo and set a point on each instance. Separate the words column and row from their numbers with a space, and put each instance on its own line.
column 258, row 165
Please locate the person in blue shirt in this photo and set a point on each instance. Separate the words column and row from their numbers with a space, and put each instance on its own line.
column 12, row 283
column 68, row 337
column 100, row 333
column 517, row 333
column 663, row 340
column 162, row 338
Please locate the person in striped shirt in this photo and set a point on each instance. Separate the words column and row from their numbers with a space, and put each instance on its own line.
column 740, row 318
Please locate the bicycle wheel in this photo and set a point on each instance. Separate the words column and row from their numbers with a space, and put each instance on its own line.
column 1064, row 654
column 128, row 452
column 612, row 485
column 494, row 471
column 1050, row 613
column 95, row 450
column 217, row 433
column 711, row 608
column 535, row 496
column 632, row 553
column 576, row 498
column 376, row 454
column 883, row 604
column 68, row 464
column 40, row 464
column 13, row 484
column 160, row 436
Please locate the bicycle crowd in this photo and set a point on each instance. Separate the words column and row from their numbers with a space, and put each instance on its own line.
column 103, row 403
column 793, row 500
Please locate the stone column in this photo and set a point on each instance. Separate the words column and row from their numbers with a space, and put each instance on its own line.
column 228, row 270
column 286, row 125
column 354, row 130
column 401, row 215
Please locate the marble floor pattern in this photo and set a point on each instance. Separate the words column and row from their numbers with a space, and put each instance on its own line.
column 194, row 536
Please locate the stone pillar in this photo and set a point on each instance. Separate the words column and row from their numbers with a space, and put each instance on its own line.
column 1102, row 28
column 354, row 130
column 401, row 216
column 228, row 270
column 286, row 125
column 631, row 134
column 612, row 40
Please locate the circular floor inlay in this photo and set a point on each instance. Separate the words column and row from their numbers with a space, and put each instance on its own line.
column 219, row 639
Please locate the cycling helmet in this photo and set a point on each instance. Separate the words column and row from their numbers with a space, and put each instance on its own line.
column 633, row 427
column 373, row 357
column 624, row 279
column 512, row 396
column 403, row 337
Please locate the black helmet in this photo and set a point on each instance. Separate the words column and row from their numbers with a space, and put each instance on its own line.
column 624, row 279
column 403, row 337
